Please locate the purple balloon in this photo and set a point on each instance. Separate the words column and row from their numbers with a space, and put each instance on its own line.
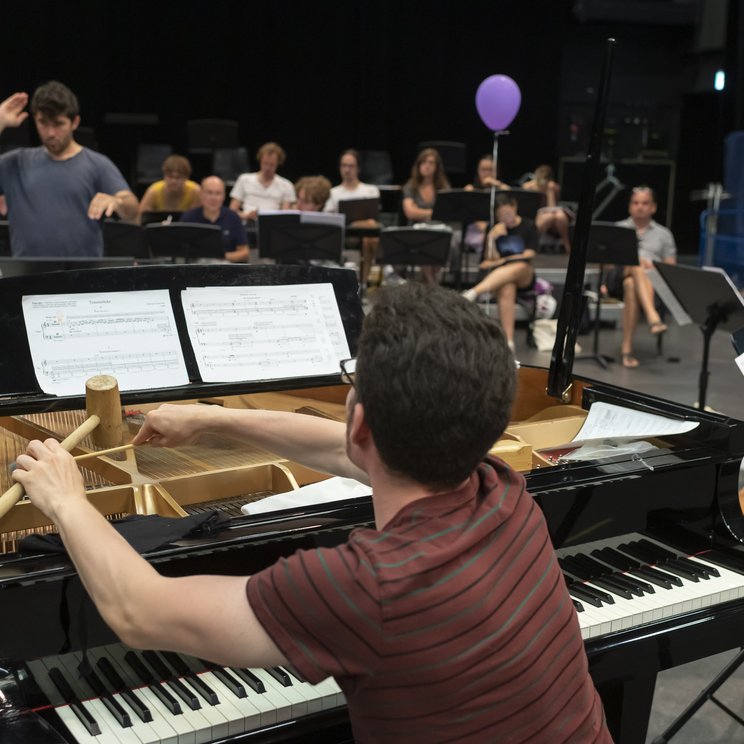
column 498, row 99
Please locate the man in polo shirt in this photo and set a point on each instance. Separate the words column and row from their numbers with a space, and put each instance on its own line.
column 57, row 194
column 655, row 243
column 449, row 620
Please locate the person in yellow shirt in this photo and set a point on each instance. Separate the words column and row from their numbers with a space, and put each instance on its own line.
column 175, row 191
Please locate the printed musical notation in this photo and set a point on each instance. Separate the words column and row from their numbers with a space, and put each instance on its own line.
column 262, row 333
column 131, row 335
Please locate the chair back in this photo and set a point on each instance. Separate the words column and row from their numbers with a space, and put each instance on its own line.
column 207, row 135
column 375, row 166
column 150, row 162
column 229, row 162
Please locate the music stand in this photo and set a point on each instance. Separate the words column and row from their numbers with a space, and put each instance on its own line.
column 43, row 265
column 167, row 216
column 413, row 246
column 711, row 299
column 608, row 244
column 123, row 239
column 465, row 207
column 528, row 202
column 359, row 209
column 5, row 238
column 184, row 241
column 288, row 238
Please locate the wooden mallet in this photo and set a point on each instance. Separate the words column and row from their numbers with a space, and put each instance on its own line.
column 103, row 406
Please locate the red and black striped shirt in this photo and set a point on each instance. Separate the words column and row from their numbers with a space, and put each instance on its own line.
column 452, row 623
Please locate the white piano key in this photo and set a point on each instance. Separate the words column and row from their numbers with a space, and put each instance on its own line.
column 298, row 704
column 322, row 694
column 272, row 705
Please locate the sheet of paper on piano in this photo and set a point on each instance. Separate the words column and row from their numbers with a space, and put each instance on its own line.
column 608, row 421
column 333, row 489
column 265, row 332
column 131, row 335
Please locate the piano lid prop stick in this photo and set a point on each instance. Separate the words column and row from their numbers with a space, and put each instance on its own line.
column 103, row 423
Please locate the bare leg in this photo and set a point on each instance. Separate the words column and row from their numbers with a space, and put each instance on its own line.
column 561, row 226
column 430, row 274
column 645, row 293
column 518, row 273
column 630, row 315
column 507, row 299
column 369, row 251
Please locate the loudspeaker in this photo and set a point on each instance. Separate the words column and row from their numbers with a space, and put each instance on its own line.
column 611, row 202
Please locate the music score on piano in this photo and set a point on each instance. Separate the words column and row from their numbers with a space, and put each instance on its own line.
column 264, row 332
column 131, row 335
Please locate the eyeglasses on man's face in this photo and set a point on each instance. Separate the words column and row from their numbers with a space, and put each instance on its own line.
column 348, row 373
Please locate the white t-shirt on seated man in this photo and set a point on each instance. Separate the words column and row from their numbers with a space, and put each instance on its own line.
column 264, row 189
column 343, row 193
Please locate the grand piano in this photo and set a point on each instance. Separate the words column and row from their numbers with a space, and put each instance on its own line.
column 649, row 542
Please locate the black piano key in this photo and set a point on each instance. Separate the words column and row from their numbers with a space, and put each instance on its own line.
column 226, row 678
column 688, row 565
column 575, row 568
column 681, row 571
column 90, row 723
column 254, row 682
column 639, row 588
column 187, row 673
column 726, row 560
column 579, row 591
column 577, row 605
column 638, row 551
column 663, row 553
column 280, row 676
column 147, row 679
column 703, row 571
column 656, row 577
column 595, row 567
column 598, row 593
column 113, row 705
column 616, row 559
column 118, row 685
column 292, row 672
column 606, row 582
column 161, row 669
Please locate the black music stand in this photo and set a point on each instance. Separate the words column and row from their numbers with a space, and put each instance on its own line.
column 359, row 209
column 153, row 218
column 528, row 201
column 5, row 238
column 465, row 207
column 123, row 239
column 711, row 299
column 608, row 244
column 185, row 241
column 288, row 239
column 42, row 265
column 413, row 246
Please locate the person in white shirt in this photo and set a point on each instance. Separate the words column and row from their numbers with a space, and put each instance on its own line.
column 263, row 190
column 352, row 188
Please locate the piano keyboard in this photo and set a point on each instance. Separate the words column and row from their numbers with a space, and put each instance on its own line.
column 630, row 580
column 136, row 697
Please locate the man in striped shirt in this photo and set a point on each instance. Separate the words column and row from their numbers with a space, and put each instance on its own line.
column 449, row 620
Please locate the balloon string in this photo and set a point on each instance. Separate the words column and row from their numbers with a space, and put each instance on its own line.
column 495, row 158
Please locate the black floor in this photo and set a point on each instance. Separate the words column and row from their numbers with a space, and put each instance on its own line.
column 678, row 381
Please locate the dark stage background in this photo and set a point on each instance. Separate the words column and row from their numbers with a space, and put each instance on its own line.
column 380, row 74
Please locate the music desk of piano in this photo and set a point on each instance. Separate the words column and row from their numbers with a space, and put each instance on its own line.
column 682, row 495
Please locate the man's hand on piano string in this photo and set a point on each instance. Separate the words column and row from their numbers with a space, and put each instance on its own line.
column 175, row 425
column 49, row 475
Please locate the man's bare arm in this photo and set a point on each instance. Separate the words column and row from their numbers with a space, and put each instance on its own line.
column 312, row 441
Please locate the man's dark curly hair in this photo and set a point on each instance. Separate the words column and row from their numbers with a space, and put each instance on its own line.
column 436, row 379
column 54, row 99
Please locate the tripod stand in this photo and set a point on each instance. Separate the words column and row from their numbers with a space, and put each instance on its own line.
column 608, row 244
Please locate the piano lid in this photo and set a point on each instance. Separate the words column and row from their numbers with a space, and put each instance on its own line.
column 21, row 392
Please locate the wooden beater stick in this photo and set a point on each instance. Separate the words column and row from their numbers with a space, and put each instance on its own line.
column 99, row 453
column 104, row 409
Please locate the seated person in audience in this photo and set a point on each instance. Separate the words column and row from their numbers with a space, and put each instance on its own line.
column 175, row 191
column 420, row 193
column 58, row 193
column 312, row 193
column 214, row 212
column 447, row 620
column 264, row 189
column 631, row 283
column 485, row 178
column 352, row 188
column 510, row 247
column 550, row 218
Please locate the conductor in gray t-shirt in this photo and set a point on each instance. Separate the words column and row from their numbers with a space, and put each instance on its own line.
column 56, row 194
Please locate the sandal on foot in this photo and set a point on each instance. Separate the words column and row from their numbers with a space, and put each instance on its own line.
column 629, row 361
column 657, row 328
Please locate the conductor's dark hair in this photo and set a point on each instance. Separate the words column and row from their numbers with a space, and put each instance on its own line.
column 54, row 99
column 503, row 200
column 436, row 379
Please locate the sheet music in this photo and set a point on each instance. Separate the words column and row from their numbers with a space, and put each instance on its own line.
column 318, row 218
column 607, row 421
column 264, row 333
column 130, row 335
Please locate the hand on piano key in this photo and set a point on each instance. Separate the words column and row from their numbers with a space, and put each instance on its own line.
column 132, row 707
column 630, row 580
